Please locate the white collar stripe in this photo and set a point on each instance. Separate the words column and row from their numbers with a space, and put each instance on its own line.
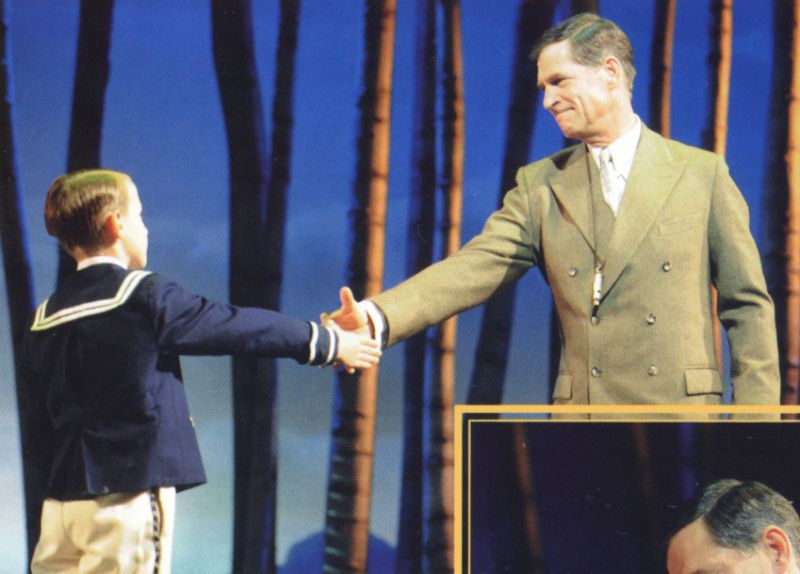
column 90, row 308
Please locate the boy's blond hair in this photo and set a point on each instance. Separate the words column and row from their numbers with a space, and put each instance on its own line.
column 78, row 204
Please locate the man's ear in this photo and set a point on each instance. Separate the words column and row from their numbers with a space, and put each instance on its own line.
column 613, row 67
column 779, row 549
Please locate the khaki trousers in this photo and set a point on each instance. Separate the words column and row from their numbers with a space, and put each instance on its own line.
column 125, row 533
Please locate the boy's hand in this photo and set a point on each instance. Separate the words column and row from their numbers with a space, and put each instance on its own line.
column 356, row 351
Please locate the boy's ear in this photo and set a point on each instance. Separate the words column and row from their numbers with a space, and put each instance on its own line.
column 112, row 226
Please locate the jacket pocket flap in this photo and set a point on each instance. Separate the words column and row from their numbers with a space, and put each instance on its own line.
column 703, row 382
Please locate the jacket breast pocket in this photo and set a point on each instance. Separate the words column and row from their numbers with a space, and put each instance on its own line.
column 703, row 381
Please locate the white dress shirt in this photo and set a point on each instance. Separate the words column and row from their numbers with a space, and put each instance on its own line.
column 100, row 259
column 623, row 151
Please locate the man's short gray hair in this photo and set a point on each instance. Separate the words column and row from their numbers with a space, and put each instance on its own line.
column 591, row 38
column 736, row 513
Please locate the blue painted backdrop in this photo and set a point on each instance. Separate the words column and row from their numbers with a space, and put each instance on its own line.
column 163, row 125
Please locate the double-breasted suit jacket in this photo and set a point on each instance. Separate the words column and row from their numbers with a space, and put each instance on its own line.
column 102, row 386
column 682, row 226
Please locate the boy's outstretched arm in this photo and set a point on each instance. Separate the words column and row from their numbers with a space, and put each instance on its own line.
column 355, row 351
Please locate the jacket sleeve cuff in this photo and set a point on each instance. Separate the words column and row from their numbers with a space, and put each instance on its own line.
column 379, row 328
column 323, row 345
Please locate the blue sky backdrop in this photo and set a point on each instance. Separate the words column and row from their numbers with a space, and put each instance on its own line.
column 164, row 126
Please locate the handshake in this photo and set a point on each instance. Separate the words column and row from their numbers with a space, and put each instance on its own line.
column 357, row 347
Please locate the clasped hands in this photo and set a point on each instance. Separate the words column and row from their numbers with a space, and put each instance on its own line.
column 357, row 348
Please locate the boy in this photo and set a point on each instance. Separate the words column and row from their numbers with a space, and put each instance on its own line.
column 111, row 430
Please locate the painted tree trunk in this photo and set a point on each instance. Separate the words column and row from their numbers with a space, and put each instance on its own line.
column 353, row 433
column 491, row 356
column 530, row 512
column 792, row 379
column 647, row 488
column 579, row 6
column 438, row 427
column 422, row 209
column 256, row 252
column 775, row 182
column 19, row 282
column 717, row 133
column 282, row 127
column 720, row 62
column 92, row 69
column 660, row 86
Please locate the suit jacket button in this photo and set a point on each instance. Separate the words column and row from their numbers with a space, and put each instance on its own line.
column 651, row 319
column 191, row 422
column 572, row 271
column 596, row 372
column 652, row 371
column 666, row 266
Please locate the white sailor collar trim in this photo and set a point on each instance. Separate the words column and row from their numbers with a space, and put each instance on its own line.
column 42, row 322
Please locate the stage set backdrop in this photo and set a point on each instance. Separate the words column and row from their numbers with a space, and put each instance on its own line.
column 163, row 123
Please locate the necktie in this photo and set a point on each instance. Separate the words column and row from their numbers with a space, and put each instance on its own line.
column 613, row 183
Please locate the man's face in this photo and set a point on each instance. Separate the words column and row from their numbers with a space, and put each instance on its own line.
column 134, row 238
column 578, row 96
column 692, row 551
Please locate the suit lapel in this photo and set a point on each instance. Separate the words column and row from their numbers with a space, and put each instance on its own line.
column 570, row 185
column 653, row 176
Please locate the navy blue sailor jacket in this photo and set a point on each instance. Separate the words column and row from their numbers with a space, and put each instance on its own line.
column 103, row 393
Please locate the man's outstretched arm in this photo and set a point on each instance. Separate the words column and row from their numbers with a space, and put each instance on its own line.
column 506, row 248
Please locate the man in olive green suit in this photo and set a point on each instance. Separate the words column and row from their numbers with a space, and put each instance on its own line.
column 630, row 230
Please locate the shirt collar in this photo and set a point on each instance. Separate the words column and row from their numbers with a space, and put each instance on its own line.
column 623, row 149
column 100, row 260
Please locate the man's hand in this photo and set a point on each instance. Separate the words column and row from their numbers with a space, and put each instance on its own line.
column 350, row 316
column 356, row 351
